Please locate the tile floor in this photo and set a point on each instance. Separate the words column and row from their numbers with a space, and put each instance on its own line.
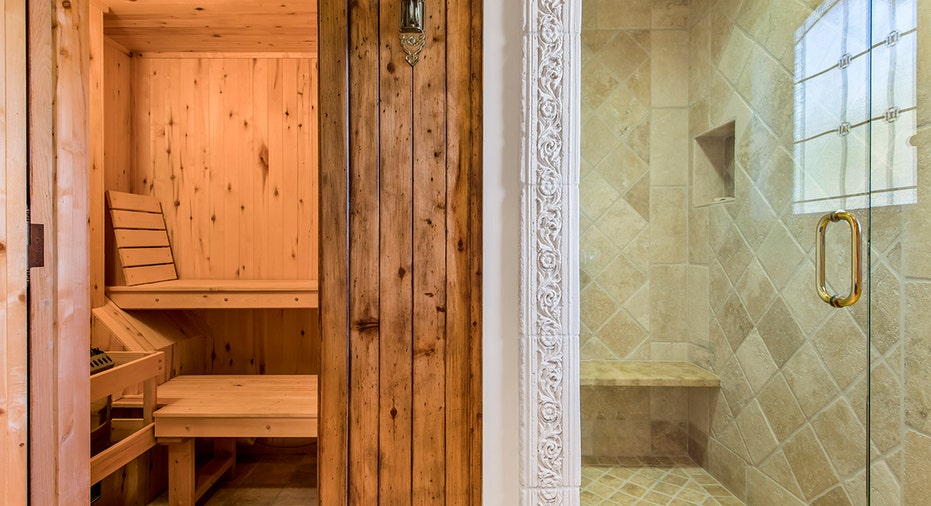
column 264, row 480
column 649, row 481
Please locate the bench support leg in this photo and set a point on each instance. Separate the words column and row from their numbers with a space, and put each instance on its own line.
column 181, row 488
column 226, row 447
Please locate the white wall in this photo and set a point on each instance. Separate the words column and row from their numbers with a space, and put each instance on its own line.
column 502, row 142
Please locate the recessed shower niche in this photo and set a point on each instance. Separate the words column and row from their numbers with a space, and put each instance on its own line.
column 713, row 165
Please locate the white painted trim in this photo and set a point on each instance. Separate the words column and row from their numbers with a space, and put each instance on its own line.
column 551, row 464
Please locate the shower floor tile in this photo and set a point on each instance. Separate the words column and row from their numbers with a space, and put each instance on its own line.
column 649, row 481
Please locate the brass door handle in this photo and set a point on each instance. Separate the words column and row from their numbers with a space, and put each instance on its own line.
column 856, row 279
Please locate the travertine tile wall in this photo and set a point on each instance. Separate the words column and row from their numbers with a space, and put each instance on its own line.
column 634, row 217
column 729, row 286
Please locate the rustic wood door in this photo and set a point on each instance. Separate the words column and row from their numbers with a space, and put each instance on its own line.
column 400, row 256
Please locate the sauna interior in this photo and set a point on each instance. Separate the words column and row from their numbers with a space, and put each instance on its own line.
column 211, row 111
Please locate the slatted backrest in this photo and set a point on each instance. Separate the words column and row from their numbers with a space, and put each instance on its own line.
column 141, row 238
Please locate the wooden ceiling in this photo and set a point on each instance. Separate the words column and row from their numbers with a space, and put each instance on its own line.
column 213, row 25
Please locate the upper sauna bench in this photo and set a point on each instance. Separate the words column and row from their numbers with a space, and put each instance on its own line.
column 147, row 264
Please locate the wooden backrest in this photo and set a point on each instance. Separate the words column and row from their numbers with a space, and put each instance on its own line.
column 141, row 238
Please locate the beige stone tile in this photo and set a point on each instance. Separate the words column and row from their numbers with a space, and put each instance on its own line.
column 623, row 438
column 756, row 362
column 670, row 14
column 597, row 140
column 886, row 402
column 780, row 407
column 842, row 436
column 621, row 223
column 669, row 225
column 596, row 251
column 842, row 346
column 615, row 14
column 735, row 321
column 802, row 300
column 639, row 306
column 594, row 40
column 777, row 468
column 639, row 139
column 755, row 220
column 639, row 197
column 621, row 279
column 918, row 356
column 811, row 466
column 780, row 256
column 883, row 315
column 734, row 56
column 837, row 496
column 589, row 15
column 763, row 490
column 734, row 385
column 809, row 381
column 699, row 305
column 598, row 81
column 669, row 352
column 622, row 335
column 621, row 168
column 700, row 409
column 621, row 111
column 669, row 403
column 734, row 254
column 699, row 60
column 720, row 224
column 670, row 439
column 884, row 486
column 755, row 290
column 669, row 160
column 917, row 468
column 615, row 403
column 670, row 67
column 756, row 148
column 780, row 332
column 638, row 251
column 728, row 468
column 623, row 55
column 597, row 307
column 699, row 235
column 667, row 292
column 719, row 288
column 756, row 433
column 776, row 183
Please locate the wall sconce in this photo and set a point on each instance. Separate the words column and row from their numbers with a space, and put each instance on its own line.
column 413, row 37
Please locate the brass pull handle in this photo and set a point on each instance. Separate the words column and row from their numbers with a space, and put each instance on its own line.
column 856, row 279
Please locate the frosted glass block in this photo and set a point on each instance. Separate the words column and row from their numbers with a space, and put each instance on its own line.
column 894, row 86
column 858, row 91
column 889, row 15
column 819, row 105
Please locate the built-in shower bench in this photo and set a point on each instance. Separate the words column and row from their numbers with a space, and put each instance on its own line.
column 645, row 374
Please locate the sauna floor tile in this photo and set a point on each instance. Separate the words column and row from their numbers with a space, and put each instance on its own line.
column 653, row 481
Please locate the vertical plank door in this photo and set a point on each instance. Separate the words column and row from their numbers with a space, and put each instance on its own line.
column 400, row 218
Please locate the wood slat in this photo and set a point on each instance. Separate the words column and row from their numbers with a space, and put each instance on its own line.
column 133, row 202
column 149, row 274
column 134, row 257
column 96, row 134
column 137, row 220
column 141, row 238
column 14, row 362
column 364, row 252
column 121, row 453
column 397, row 272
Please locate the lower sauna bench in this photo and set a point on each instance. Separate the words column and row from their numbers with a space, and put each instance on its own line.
column 646, row 410
column 226, row 408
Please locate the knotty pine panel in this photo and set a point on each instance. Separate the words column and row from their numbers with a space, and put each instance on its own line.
column 228, row 145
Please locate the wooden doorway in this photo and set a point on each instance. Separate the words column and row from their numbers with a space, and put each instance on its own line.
column 401, row 257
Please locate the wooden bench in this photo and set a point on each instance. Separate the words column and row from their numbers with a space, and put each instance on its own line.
column 151, row 280
column 227, row 407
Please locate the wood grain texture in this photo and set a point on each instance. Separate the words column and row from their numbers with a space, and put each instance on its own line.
column 333, row 443
column 364, row 251
column 224, row 155
column 13, row 309
column 97, row 151
column 217, row 25
column 422, row 208
column 60, row 292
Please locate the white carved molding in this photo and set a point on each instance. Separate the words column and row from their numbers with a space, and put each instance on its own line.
column 550, row 427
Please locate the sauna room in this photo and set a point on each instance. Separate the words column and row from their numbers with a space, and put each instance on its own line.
column 204, row 233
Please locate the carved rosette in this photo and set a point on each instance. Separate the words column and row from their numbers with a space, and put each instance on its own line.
column 548, row 232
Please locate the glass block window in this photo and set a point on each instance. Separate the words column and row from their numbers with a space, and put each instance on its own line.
column 855, row 106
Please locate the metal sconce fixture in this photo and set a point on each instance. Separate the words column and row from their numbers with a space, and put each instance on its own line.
column 413, row 37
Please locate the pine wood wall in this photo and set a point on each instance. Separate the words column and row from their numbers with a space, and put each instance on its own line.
column 229, row 146
column 400, row 281
column 13, row 324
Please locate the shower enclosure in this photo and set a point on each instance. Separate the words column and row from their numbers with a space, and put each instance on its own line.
column 754, row 200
